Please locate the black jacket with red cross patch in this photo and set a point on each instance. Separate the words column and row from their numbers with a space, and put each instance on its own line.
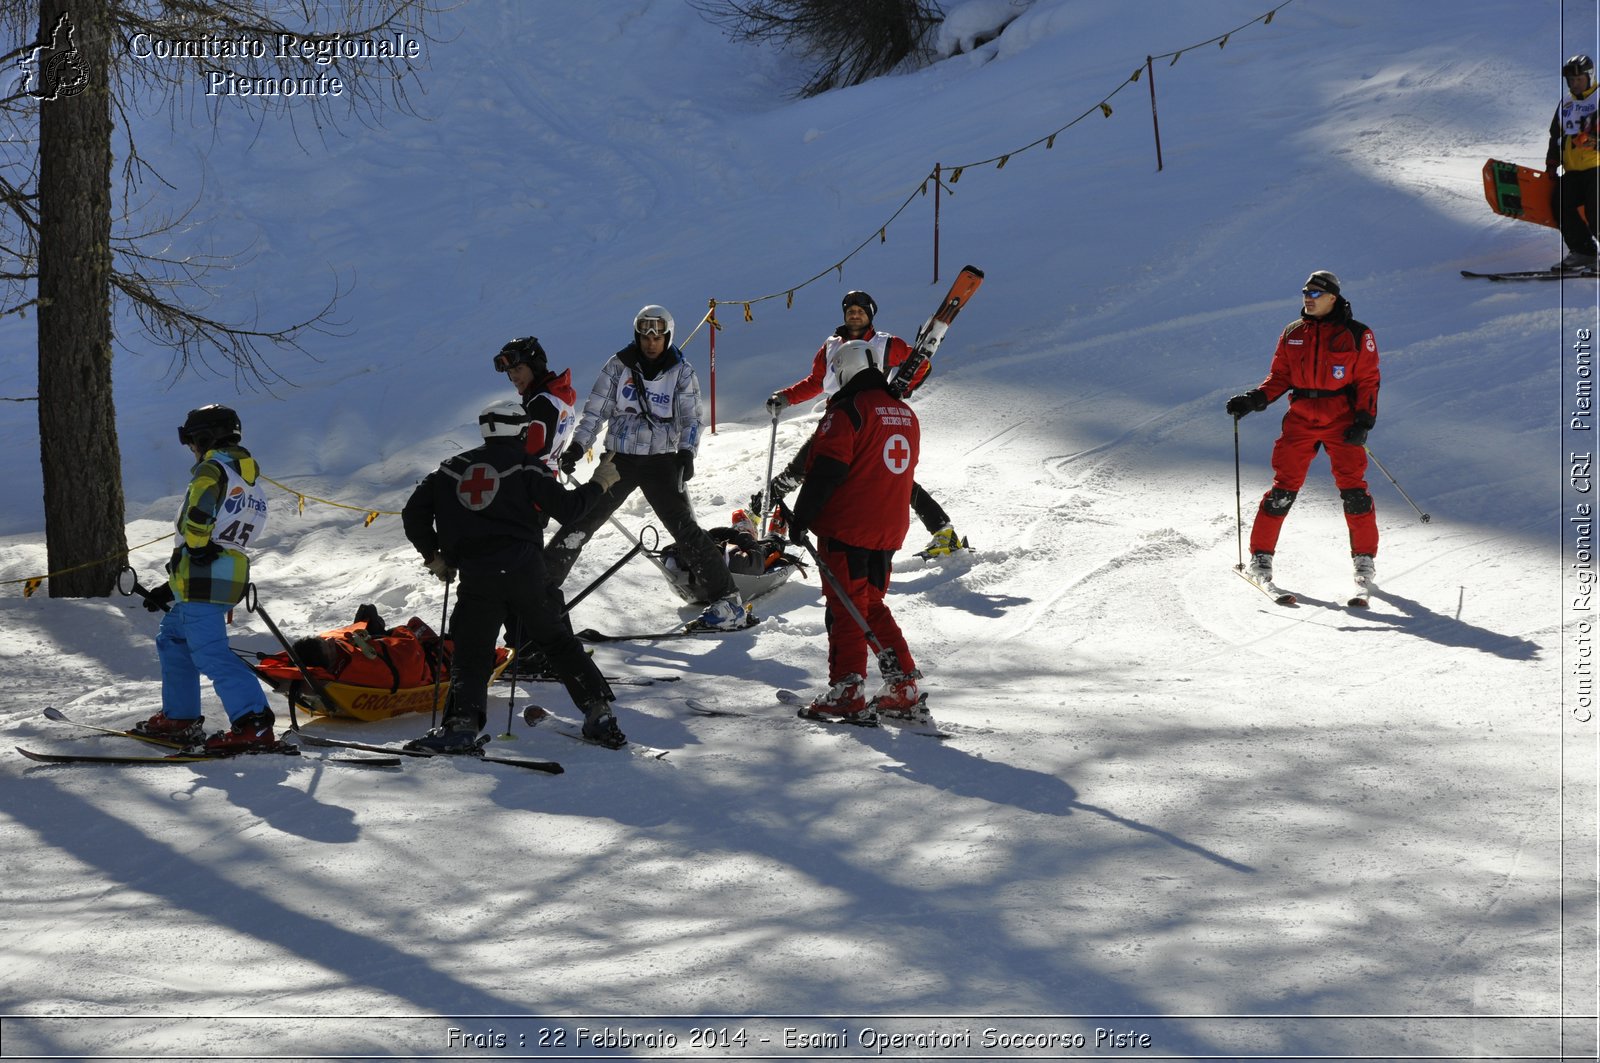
column 488, row 500
column 862, row 459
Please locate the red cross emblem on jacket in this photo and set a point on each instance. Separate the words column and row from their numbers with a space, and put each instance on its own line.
column 478, row 486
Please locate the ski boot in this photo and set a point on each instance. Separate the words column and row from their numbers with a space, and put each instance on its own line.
column 843, row 702
column 726, row 614
column 600, row 725
column 945, row 542
column 899, row 699
column 168, row 729
column 453, row 736
column 250, row 733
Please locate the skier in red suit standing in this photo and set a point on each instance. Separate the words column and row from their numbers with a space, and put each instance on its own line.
column 856, row 495
column 1328, row 364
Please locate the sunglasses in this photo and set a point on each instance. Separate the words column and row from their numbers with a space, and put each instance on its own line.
column 1313, row 293
column 651, row 326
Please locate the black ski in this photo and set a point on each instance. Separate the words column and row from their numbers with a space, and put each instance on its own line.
column 549, row 767
column 539, row 716
column 182, row 752
column 693, row 627
column 1532, row 274
column 614, row 680
column 180, row 756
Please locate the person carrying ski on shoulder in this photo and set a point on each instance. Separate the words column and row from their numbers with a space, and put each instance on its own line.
column 482, row 514
column 859, row 310
column 856, row 497
column 222, row 516
column 1575, row 149
column 1327, row 362
column 649, row 398
column 551, row 404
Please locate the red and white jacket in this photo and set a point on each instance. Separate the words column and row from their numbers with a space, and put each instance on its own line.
column 889, row 349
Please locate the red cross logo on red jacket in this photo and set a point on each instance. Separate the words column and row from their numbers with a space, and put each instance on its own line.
column 897, row 454
column 478, row 486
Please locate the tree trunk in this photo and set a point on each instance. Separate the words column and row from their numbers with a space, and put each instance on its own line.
column 83, row 501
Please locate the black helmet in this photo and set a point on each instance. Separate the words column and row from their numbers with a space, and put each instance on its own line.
column 209, row 426
column 1578, row 64
column 524, row 350
column 861, row 299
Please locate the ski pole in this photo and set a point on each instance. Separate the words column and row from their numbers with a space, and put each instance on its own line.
column 253, row 604
column 1238, row 495
column 1425, row 517
column 766, row 485
column 511, row 702
column 438, row 667
column 633, row 552
column 142, row 592
column 886, row 658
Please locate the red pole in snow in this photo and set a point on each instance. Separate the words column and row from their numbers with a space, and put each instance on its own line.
column 711, row 362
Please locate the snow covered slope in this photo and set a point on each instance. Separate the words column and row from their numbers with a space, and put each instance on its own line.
column 1168, row 801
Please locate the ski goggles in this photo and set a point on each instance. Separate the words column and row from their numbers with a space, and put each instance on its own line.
column 504, row 361
column 1313, row 293
column 651, row 326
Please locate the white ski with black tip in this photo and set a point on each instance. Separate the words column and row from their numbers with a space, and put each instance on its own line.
column 1270, row 589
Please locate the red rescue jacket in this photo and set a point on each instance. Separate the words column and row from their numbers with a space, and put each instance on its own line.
column 859, row 471
column 1329, row 367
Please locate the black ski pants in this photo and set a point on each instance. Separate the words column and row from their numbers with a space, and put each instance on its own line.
column 1574, row 189
column 658, row 476
column 514, row 580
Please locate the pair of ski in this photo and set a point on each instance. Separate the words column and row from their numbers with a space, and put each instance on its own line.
column 922, row 725
column 1361, row 599
column 386, row 756
column 182, row 753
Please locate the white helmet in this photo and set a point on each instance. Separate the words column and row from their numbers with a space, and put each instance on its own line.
column 655, row 320
column 850, row 357
column 505, row 419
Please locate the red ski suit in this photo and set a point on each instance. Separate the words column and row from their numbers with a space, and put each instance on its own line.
column 1330, row 368
column 856, row 498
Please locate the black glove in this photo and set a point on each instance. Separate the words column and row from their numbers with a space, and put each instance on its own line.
column 205, row 554
column 797, row 531
column 570, row 456
column 159, row 598
column 686, row 464
column 1356, row 434
column 1253, row 400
